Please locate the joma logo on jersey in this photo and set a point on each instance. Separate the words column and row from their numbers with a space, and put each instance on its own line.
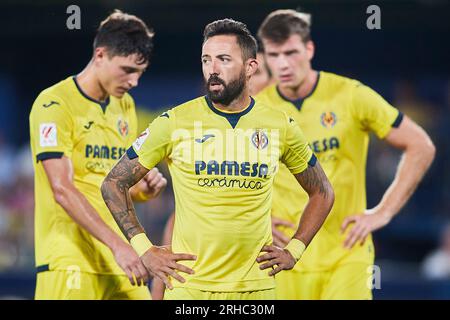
column 232, row 168
column 104, row 152
column 328, row 119
column 325, row 144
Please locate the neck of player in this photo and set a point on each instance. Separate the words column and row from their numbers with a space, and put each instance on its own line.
column 90, row 84
column 238, row 104
column 303, row 89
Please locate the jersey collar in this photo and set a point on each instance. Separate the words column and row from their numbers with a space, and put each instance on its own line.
column 232, row 117
column 103, row 105
column 299, row 102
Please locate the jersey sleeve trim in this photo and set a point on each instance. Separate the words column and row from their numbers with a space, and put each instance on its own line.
column 398, row 120
column 43, row 268
column 312, row 162
column 131, row 153
column 48, row 155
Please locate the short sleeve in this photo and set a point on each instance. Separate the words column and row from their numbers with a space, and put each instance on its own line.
column 373, row 112
column 297, row 154
column 51, row 128
column 155, row 143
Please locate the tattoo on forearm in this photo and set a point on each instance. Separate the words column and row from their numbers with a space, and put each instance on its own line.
column 115, row 192
column 313, row 179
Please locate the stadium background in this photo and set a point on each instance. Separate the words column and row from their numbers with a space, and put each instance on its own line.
column 407, row 61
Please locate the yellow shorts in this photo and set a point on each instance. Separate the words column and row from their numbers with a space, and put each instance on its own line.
column 346, row 282
column 195, row 294
column 66, row 285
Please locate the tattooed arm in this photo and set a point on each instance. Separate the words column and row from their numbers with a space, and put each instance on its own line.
column 321, row 199
column 149, row 187
column 159, row 261
column 116, row 193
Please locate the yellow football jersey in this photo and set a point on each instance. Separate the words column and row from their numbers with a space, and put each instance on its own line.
column 336, row 118
column 65, row 121
column 222, row 167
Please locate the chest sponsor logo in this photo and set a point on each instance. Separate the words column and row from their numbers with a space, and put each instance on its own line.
column 228, row 170
column 103, row 152
column 325, row 144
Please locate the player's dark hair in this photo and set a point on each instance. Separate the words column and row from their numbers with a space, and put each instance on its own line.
column 279, row 25
column 245, row 40
column 124, row 34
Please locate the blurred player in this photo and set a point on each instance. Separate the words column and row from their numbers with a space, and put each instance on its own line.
column 262, row 77
column 222, row 188
column 336, row 114
column 258, row 81
column 79, row 128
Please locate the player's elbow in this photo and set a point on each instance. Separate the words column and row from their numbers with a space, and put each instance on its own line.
column 324, row 195
column 424, row 150
column 430, row 151
column 329, row 194
column 61, row 193
column 105, row 188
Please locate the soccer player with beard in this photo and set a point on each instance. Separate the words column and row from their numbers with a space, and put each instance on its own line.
column 223, row 151
column 258, row 81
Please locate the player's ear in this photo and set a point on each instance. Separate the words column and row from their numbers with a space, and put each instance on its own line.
column 252, row 67
column 100, row 53
column 310, row 49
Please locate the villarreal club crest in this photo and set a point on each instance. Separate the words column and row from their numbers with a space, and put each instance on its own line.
column 122, row 126
column 328, row 119
column 260, row 139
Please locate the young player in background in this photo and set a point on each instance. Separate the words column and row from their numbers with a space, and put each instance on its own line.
column 336, row 115
column 79, row 128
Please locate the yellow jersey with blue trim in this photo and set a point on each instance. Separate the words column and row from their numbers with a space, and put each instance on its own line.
column 336, row 118
column 222, row 166
column 64, row 121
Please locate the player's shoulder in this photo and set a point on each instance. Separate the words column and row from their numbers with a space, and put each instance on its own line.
column 338, row 82
column 191, row 108
column 59, row 89
column 267, row 110
column 267, row 94
column 56, row 95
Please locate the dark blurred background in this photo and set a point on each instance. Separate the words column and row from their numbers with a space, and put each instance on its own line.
column 407, row 61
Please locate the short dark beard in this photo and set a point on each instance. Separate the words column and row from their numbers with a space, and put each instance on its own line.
column 230, row 91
